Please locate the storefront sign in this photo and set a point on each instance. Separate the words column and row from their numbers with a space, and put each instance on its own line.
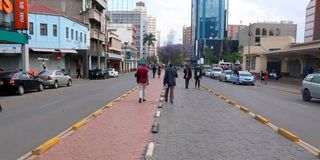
column 6, row 6
column 21, row 14
column 10, row 48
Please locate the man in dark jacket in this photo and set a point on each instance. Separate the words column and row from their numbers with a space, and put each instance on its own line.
column 197, row 76
column 187, row 75
column 169, row 81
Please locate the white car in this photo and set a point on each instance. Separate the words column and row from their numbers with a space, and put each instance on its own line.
column 208, row 73
column 113, row 72
column 216, row 72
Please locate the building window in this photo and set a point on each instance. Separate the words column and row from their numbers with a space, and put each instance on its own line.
column 55, row 30
column 80, row 37
column 264, row 32
column 43, row 29
column 72, row 34
column 277, row 32
column 76, row 35
column 31, row 28
column 271, row 32
column 258, row 31
column 257, row 39
column 67, row 32
column 85, row 38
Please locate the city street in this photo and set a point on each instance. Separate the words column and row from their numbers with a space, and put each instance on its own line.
column 29, row 120
column 283, row 109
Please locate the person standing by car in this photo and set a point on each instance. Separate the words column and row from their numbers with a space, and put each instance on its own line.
column 142, row 80
column 197, row 77
column 187, row 76
column 169, row 81
column 159, row 71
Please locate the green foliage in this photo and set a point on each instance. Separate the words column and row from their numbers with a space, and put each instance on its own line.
column 210, row 57
column 154, row 59
column 234, row 57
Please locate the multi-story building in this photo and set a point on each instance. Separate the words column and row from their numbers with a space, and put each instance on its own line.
column 127, row 35
column 187, row 43
column 92, row 13
column 152, row 28
column 209, row 24
column 114, row 52
column 136, row 17
column 312, row 30
column 257, row 31
column 233, row 31
column 170, row 37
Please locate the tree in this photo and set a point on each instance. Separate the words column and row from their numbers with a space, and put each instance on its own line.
column 171, row 53
column 149, row 40
column 154, row 59
column 236, row 56
column 210, row 57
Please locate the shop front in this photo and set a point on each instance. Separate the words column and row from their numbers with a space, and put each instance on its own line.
column 115, row 61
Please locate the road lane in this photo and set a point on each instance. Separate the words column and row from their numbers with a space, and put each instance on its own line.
column 30, row 120
column 286, row 110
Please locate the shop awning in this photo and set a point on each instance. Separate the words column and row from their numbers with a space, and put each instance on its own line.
column 68, row 51
column 43, row 50
column 114, row 56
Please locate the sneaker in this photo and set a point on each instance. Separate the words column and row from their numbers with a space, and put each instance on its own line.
column 171, row 102
column 140, row 100
column 144, row 100
column 166, row 100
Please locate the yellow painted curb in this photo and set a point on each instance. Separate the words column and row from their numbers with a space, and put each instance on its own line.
column 244, row 109
column 224, row 97
column 288, row 135
column 79, row 124
column 46, row 146
column 261, row 119
column 217, row 94
column 97, row 113
column 109, row 105
column 232, row 102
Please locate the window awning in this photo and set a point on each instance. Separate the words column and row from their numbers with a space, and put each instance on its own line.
column 43, row 50
column 68, row 51
column 114, row 56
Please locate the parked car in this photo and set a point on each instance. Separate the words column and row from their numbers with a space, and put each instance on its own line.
column 208, row 72
column 244, row 77
column 226, row 75
column 99, row 74
column 311, row 87
column 55, row 78
column 18, row 82
column 216, row 72
column 113, row 72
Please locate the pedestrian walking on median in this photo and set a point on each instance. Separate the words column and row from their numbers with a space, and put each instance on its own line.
column 159, row 71
column 187, row 76
column 197, row 77
column 154, row 70
column 169, row 81
column 142, row 80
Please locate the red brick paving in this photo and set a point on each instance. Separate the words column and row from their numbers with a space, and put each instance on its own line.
column 121, row 133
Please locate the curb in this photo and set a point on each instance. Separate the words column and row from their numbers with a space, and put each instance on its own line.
column 311, row 149
column 149, row 152
column 52, row 142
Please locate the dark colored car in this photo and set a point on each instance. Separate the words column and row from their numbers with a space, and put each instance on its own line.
column 99, row 74
column 18, row 82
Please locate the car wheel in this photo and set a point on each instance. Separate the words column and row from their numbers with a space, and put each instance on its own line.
column 69, row 84
column 225, row 79
column 20, row 90
column 40, row 87
column 306, row 95
column 220, row 79
column 55, row 85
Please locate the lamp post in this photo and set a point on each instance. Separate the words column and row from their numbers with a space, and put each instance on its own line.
column 125, row 55
column 249, row 34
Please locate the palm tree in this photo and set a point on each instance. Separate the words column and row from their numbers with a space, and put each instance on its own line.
column 149, row 39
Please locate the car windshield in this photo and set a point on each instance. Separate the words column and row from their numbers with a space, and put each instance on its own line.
column 217, row 69
column 228, row 73
column 245, row 74
column 43, row 73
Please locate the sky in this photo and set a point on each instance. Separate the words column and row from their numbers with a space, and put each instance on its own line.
column 174, row 14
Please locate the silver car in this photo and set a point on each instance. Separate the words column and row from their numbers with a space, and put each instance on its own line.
column 55, row 78
column 226, row 75
column 311, row 87
column 216, row 72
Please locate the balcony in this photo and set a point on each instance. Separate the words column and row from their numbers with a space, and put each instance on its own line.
column 94, row 34
column 101, row 3
column 95, row 15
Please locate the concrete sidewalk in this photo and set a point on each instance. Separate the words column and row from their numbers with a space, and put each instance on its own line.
column 202, row 126
column 121, row 133
column 291, row 85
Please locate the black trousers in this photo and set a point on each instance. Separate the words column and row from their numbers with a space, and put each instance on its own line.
column 187, row 82
column 197, row 83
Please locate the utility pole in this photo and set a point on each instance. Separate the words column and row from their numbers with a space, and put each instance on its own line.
column 249, row 34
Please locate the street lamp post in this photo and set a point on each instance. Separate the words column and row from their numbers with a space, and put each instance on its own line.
column 125, row 55
column 249, row 34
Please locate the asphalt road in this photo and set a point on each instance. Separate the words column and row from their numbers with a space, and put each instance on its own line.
column 286, row 110
column 28, row 121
